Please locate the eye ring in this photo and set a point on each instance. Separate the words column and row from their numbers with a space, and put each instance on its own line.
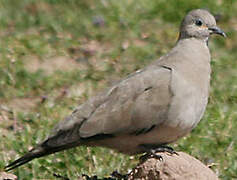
column 198, row 22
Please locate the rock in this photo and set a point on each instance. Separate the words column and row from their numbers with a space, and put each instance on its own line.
column 7, row 176
column 172, row 167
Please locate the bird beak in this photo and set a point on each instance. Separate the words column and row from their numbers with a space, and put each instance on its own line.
column 216, row 30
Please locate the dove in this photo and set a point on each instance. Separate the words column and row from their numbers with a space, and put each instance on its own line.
column 148, row 109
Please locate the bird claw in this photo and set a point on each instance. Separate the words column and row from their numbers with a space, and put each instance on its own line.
column 152, row 153
column 89, row 178
column 118, row 175
column 166, row 149
column 148, row 155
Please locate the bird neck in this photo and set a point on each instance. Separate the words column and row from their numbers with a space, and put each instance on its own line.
column 193, row 43
column 183, row 36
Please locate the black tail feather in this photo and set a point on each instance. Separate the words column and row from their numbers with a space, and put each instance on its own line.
column 39, row 151
column 61, row 141
column 22, row 160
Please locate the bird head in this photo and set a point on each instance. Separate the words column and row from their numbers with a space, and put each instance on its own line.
column 200, row 24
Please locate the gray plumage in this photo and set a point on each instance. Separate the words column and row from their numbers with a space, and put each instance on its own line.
column 152, row 107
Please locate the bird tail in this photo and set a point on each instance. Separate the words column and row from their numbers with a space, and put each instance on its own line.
column 39, row 151
column 24, row 159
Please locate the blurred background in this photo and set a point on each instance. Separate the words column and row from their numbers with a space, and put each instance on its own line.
column 54, row 54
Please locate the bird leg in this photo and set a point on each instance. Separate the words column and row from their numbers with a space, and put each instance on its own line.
column 118, row 175
column 152, row 150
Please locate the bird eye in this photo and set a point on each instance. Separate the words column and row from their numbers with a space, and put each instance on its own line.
column 198, row 22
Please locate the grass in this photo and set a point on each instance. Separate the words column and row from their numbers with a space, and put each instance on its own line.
column 100, row 42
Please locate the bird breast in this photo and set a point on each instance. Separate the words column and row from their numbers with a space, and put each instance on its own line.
column 187, row 105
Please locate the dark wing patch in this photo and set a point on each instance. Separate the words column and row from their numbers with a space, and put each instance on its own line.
column 143, row 131
column 97, row 137
column 148, row 88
